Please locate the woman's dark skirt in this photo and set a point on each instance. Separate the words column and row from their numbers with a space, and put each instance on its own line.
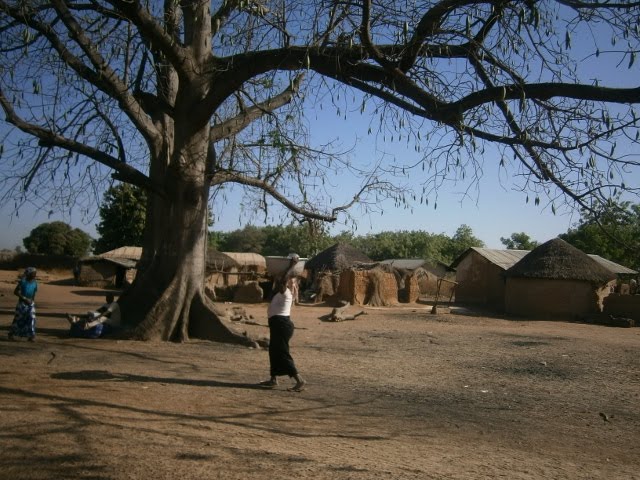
column 281, row 331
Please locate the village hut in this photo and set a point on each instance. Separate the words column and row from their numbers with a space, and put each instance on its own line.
column 250, row 265
column 114, row 268
column 625, row 302
column 621, row 271
column 557, row 280
column 251, row 269
column 480, row 276
column 325, row 268
column 423, row 278
column 221, row 272
column 336, row 258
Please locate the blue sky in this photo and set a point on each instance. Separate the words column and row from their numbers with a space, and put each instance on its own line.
column 495, row 212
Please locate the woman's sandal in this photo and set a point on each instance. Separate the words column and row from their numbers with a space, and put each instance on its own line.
column 268, row 384
column 298, row 387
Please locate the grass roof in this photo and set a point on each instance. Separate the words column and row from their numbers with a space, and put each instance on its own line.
column 219, row 261
column 558, row 260
column 337, row 258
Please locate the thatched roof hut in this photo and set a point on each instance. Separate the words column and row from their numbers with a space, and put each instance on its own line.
column 222, row 270
column 129, row 253
column 109, row 269
column 559, row 260
column 219, row 261
column 249, row 262
column 324, row 269
column 336, row 258
column 556, row 280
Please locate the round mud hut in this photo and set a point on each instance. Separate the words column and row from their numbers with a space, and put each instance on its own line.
column 325, row 268
column 556, row 280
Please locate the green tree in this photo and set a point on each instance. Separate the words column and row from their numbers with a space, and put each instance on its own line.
column 57, row 238
column 519, row 241
column 248, row 239
column 184, row 97
column 300, row 239
column 402, row 244
column 461, row 241
column 122, row 214
column 613, row 233
column 217, row 240
column 272, row 240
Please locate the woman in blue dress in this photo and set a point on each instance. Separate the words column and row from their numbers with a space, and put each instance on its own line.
column 24, row 322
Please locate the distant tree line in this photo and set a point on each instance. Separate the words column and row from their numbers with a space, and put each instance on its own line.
column 613, row 232
column 282, row 240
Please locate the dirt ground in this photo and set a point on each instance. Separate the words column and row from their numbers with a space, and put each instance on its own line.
column 398, row 393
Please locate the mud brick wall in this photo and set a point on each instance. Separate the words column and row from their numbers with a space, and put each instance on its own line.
column 622, row 306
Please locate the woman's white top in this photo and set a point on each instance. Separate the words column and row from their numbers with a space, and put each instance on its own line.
column 280, row 304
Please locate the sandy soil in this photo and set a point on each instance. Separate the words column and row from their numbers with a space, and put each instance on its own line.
column 396, row 394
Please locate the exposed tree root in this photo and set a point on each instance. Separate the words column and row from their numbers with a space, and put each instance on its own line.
column 339, row 314
column 181, row 311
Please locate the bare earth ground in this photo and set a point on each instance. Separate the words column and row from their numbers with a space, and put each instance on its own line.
column 396, row 394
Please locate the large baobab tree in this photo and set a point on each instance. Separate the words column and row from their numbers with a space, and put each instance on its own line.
column 184, row 96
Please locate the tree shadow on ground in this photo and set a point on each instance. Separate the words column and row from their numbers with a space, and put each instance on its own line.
column 96, row 293
column 101, row 375
column 65, row 282
column 244, row 418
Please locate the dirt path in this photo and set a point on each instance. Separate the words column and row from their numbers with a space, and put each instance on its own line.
column 396, row 394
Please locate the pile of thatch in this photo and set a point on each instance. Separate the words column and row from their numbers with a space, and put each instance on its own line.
column 558, row 260
column 376, row 296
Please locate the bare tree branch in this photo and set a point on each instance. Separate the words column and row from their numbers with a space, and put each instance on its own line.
column 47, row 138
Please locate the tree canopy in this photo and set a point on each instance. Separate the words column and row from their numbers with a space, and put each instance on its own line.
column 519, row 241
column 57, row 238
column 122, row 218
column 183, row 98
column 613, row 233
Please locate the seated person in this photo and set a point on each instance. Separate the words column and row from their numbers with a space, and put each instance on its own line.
column 95, row 324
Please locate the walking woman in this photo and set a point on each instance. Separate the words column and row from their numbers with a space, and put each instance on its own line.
column 24, row 322
column 280, row 331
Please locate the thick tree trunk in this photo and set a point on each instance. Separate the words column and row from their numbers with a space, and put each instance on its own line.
column 167, row 300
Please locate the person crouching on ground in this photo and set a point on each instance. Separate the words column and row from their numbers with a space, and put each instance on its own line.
column 24, row 321
column 280, row 331
column 104, row 320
